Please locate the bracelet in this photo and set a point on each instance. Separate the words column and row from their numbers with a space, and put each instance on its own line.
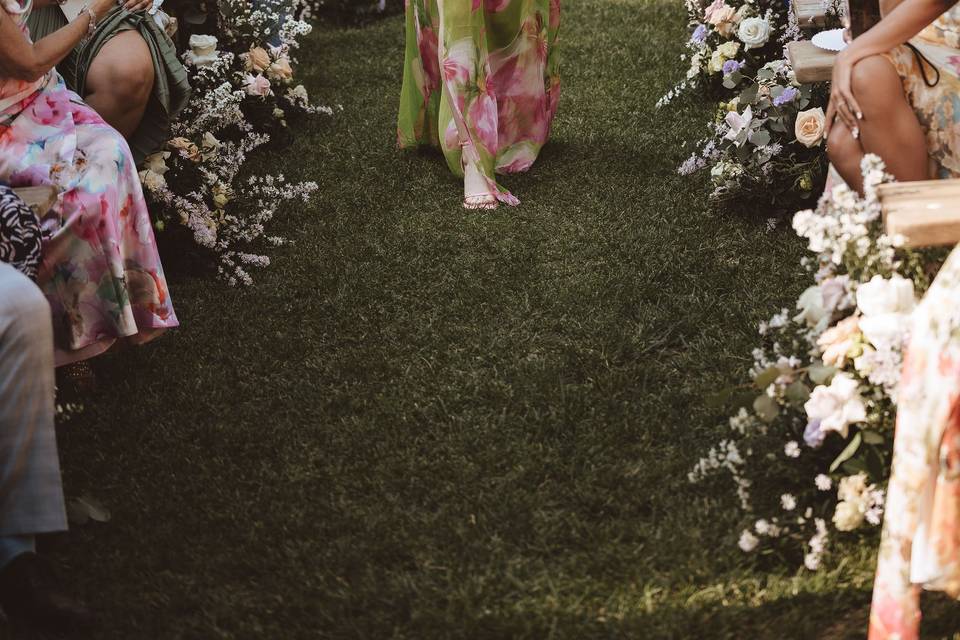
column 92, row 24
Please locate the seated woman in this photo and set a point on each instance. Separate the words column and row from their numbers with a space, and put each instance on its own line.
column 128, row 72
column 894, row 94
column 100, row 270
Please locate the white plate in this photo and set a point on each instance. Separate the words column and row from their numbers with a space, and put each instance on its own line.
column 831, row 40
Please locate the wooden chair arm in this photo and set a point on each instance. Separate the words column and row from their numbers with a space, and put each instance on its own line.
column 925, row 213
column 810, row 62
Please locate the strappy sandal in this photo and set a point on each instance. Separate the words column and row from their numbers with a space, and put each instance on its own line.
column 476, row 189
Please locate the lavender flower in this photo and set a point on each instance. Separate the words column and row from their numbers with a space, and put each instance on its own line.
column 813, row 435
column 730, row 66
column 787, row 96
column 699, row 34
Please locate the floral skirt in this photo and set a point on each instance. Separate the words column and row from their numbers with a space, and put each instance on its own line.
column 481, row 81
column 100, row 271
column 937, row 107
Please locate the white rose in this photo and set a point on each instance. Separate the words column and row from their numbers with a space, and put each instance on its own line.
column 847, row 517
column 837, row 406
column 811, row 307
column 153, row 181
column 885, row 331
column 808, row 127
column 852, row 487
column 881, row 296
column 753, row 32
column 203, row 49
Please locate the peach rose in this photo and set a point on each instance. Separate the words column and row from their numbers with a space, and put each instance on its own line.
column 257, row 59
column 809, row 127
column 837, row 341
column 280, row 70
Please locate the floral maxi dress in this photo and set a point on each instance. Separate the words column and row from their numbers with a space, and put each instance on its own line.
column 100, row 272
column 920, row 546
column 481, row 81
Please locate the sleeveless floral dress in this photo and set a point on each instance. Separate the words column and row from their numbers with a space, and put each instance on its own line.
column 101, row 271
column 937, row 106
column 481, row 81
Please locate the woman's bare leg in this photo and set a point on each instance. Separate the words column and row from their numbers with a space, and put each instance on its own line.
column 889, row 127
column 120, row 82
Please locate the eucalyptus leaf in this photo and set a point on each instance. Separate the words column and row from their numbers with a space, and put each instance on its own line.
column 848, row 452
column 766, row 377
column 854, row 466
column 760, row 138
column 798, row 392
column 766, row 408
column 820, row 373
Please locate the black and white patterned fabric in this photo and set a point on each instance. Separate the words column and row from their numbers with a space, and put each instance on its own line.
column 19, row 233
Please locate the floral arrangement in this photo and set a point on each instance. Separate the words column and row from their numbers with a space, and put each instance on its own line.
column 766, row 139
column 809, row 446
column 243, row 94
column 726, row 36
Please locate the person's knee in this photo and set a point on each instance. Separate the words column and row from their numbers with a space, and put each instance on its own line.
column 842, row 148
column 872, row 80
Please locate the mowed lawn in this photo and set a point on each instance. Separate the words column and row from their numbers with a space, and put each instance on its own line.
column 423, row 422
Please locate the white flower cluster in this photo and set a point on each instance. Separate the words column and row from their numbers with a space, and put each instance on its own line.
column 859, row 502
column 726, row 455
column 829, row 370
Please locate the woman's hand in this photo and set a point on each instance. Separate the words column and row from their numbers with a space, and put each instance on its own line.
column 843, row 104
column 102, row 7
column 137, row 5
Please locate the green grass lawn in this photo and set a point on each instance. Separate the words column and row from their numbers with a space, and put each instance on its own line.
column 423, row 422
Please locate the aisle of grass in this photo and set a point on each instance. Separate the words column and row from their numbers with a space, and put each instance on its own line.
column 428, row 423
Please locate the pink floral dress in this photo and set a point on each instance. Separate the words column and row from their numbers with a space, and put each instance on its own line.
column 920, row 547
column 481, row 81
column 101, row 272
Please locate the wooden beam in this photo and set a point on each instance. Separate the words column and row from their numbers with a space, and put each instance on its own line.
column 810, row 62
column 925, row 213
column 809, row 13
column 40, row 199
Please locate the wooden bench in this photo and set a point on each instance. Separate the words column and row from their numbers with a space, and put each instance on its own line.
column 925, row 213
column 810, row 62
column 809, row 13
column 40, row 199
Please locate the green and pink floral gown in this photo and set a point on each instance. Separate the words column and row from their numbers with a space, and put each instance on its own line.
column 481, row 81
column 101, row 272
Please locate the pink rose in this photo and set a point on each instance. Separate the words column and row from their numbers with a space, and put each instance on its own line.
column 256, row 85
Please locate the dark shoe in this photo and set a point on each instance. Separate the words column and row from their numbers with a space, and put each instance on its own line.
column 30, row 591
